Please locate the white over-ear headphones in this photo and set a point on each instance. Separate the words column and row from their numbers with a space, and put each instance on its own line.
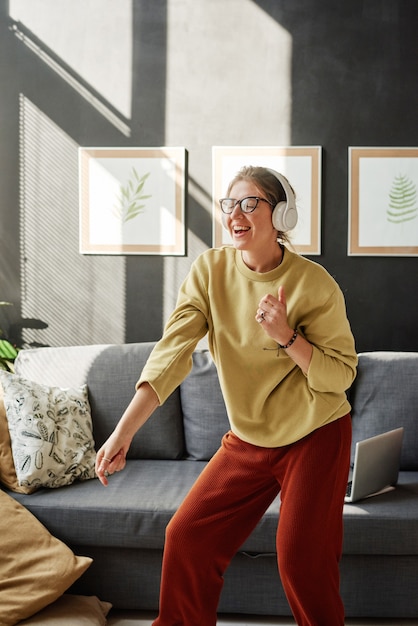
column 285, row 214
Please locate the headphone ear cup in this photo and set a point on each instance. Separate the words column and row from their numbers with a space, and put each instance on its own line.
column 277, row 216
column 284, row 217
column 285, row 214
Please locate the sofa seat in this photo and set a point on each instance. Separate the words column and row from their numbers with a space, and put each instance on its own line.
column 386, row 524
column 134, row 510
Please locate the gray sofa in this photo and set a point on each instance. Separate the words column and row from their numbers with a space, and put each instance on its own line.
column 122, row 527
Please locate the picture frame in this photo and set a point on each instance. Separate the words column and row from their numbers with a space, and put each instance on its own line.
column 383, row 201
column 302, row 166
column 132, row 200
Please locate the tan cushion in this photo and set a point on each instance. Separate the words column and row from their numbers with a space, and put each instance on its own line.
column 69, row 609
column 7, row 467
column 35, row 567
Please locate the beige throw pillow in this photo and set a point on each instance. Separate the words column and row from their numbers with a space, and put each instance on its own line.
column 71, row 609
column 35, row 567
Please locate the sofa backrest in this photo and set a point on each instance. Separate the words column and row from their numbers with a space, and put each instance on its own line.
column 110, row 372
column 189, row 425
column 193, row 420
column 204, row 412
column 385, row 396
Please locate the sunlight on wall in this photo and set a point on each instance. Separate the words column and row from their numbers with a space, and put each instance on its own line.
column 82, row 299
column 83, row 35
column 228, row 83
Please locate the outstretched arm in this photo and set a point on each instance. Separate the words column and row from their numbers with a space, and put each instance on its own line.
column 112, row 455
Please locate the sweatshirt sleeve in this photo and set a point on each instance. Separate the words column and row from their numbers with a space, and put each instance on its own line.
column 171, row 359
column 334, row 358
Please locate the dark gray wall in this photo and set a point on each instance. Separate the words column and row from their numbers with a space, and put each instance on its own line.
column 353, row 83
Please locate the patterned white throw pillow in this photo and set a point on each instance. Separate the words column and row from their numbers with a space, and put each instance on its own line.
column 50, row 432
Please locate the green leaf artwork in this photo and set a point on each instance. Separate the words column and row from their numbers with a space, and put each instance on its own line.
column 131, row 200
column 403, row 206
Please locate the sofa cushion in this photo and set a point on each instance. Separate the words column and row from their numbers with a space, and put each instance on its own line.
column 111, row 383
column 134, row 510
column 110, row 372
column 385, row 396
column 35, row 567
column 50, row 432
column 386, row 523
column 131, row 512
column 204, row 412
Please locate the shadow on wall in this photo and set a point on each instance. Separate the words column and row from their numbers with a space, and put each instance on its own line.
column 84, row 299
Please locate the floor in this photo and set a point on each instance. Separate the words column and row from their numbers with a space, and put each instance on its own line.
column 135, row 618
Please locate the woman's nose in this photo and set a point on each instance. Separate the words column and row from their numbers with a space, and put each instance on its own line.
column 236, row 211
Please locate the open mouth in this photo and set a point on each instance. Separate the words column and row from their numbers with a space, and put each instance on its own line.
column 240, row 229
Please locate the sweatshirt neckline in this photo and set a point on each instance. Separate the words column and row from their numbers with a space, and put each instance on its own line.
column 262, row 276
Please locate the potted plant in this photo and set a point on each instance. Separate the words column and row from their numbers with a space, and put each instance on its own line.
column 8, row 352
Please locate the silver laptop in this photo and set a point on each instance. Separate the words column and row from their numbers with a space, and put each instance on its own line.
column 376, row 465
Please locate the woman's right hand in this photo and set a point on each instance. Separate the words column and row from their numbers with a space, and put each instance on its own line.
column 111, row 458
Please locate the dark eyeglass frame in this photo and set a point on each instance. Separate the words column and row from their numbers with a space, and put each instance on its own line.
column 244, row 209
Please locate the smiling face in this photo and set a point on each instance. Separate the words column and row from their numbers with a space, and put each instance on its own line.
column 251, row 232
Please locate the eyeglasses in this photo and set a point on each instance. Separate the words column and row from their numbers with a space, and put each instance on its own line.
column 247, row 205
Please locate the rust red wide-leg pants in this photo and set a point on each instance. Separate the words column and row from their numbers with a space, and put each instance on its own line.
column 225, row 505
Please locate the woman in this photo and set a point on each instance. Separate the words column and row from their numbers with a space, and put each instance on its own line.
column 279, row 335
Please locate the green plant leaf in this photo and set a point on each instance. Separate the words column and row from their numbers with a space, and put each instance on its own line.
column 403, row 205
column 7, row 351
column 130, row 202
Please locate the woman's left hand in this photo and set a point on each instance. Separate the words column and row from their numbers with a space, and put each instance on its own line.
column 272, row 315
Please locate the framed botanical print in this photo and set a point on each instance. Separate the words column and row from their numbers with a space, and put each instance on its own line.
column 383, row 201
column 132, row 200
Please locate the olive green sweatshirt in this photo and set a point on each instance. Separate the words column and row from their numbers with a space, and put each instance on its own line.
column 270, row 402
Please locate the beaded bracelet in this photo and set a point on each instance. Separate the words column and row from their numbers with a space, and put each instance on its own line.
column 293, row 339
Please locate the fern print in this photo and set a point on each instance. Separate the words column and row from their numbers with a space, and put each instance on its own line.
column 130, row 202
column 403, row 206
